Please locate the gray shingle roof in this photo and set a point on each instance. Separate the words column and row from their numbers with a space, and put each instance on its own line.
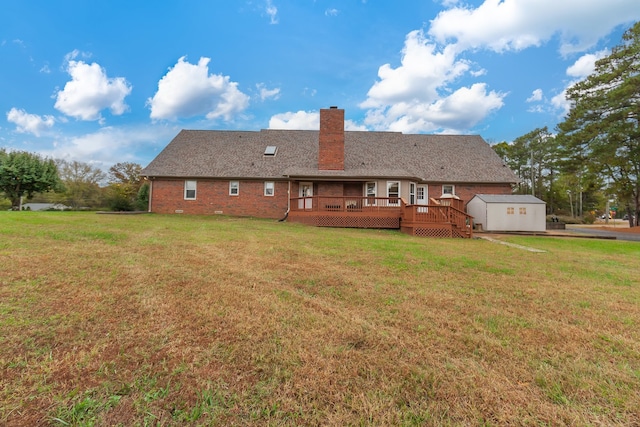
column 509, row 198
column 240, row 154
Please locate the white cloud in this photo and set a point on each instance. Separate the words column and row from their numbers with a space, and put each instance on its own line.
column 586, row 64
column 351, row 126
column 301, row 120
column 423, row 93
column 455, row 113
column 306, row 120
column 331, row 12
column 110, row 145
column 309, row 92
column 410, row 98
column 272, row 11
column 561, row 103
column 535, row 96
column 268, row 93
column 189, row 90
column 29, row 123
column 503, row 25
column 581, row 69
column 538, row 108
column 423, row 70
column 91, row 91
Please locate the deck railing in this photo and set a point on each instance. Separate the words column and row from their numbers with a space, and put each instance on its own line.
column 437, row 219
column 437, row 214
column 346, row 204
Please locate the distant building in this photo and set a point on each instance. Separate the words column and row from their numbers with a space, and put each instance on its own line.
column 44, row 207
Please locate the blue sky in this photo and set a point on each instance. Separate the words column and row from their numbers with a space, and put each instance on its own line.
column 114, row 81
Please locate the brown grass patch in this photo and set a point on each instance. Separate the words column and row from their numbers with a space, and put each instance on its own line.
column 170, row 320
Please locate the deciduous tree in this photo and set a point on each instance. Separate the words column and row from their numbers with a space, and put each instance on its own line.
column 23, row 174
column 82, row 183
column 124, row 182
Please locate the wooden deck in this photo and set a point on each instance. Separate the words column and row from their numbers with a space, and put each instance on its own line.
column 433, row 220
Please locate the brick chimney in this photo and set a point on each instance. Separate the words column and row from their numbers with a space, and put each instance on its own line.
column 331, row 141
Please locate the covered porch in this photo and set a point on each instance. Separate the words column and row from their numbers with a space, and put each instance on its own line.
column 444, row 217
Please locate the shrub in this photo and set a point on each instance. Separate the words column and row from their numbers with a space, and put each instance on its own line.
column 142, row 199
column 119, row 203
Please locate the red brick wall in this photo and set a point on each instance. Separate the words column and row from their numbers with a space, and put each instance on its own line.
column 330, row 189
column 331, row 140
column 213, row 197
column 353, row 189
column 467, row 191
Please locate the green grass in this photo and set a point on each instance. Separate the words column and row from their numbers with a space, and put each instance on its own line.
column 138, row 320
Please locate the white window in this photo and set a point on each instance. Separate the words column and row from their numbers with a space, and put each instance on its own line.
column 190, row 190
column 412, row 193
column 234, row 188
column 448, row 189
column 393, row 192
column 269, row 188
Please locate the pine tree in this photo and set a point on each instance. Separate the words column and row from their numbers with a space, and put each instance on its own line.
column 603, row 125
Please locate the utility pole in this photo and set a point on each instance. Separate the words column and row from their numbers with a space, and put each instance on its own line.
column 533, row 193
column 570, row 202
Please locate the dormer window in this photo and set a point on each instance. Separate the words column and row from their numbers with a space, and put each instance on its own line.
column 270, row 150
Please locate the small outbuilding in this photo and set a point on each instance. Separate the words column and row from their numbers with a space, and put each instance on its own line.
column 507, row 212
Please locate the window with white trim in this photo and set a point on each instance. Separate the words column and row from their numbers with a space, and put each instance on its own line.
column 190, row 190
column 234, row 188
column 448, row 189
column 393, row 192
column 421, row 195
column 269, row 188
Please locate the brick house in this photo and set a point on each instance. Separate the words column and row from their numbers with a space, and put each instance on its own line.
column 329, row 177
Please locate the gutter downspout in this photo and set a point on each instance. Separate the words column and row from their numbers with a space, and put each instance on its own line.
column 286, row 214
column 150, row 193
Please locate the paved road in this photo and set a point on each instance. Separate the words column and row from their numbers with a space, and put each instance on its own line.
column 620, row 235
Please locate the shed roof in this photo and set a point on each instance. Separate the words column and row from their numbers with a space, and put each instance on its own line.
column 509, row 198
column 241, row 154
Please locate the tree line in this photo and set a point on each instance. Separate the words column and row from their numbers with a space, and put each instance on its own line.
column 592, row 160
column 26, row 176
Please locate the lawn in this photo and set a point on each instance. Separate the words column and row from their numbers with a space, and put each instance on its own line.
column 187, row 320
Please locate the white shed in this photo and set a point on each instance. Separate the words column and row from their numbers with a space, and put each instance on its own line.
column 508, row 212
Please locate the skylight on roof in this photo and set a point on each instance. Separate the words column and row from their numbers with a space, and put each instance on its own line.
column 270, row 150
